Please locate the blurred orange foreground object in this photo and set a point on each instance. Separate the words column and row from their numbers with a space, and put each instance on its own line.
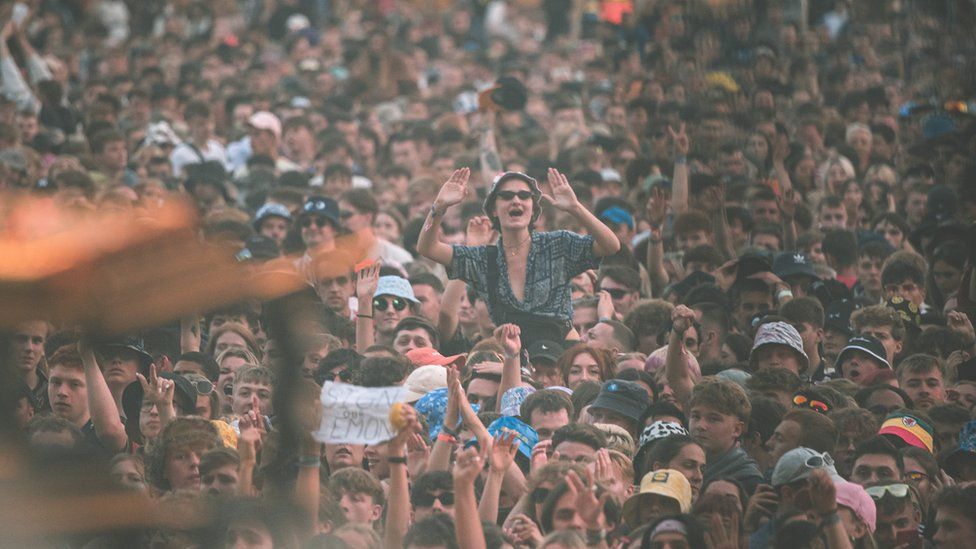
column 116, row 272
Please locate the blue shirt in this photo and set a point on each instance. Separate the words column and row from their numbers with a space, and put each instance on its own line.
column 554, row 259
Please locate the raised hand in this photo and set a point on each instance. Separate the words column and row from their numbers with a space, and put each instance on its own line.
column 781, row 148
column 366, row 281
column 252, row 432
column 762, row 505
column 524, row 531
column 510, row 336
column 454, row 395
column 468, row 466
column 409, row 425
column 604, row 305
column 787, row 204
column 418, row 452
column 682, row 318
column 503, row 450
column 562, row 197
column 959, row 322
column 454, row 190
column 679, row 140
column 479, row 232
column 718, row 536
column 588, row 506
column 657, row 207
column 823, row 493
column 156, row 389
column 540, row 454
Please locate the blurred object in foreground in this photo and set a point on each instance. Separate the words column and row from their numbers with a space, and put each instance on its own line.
column 120, row 271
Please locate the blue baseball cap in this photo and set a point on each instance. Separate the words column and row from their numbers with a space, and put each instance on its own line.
column 526, row 434
column 617, row 215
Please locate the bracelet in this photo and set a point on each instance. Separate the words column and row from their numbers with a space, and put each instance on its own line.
column 402, row 460
column 363, row 316
column 443, row 437
column 309, row 461
column 451, row 432
column 603, row 319
column 681, row 159
column 434, row 212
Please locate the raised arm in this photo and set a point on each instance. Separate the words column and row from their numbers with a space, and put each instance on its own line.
column 491, row 162
column 453, row 192
column 657, row 212
column 605, row 242
column 675, row 363
column 679, row 183
column 12, row 84
column 509, row 335
column 440, row 454
column 160, row 392
column 500, row 459
column 189, row 334
column 101, row 404
column 366, row 281
column 398, row 506
column 470, row 535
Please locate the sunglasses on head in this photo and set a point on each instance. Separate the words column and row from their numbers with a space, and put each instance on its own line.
column 509, row 195
column 804, row 402
column 616, row 293
column 381, row 304
column 203, row 386
column 427, row 500
column 898, row 491
column 319, row 222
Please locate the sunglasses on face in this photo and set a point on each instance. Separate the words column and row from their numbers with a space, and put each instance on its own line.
column 509, row 195
column 427, row 500
column 898, row 491
column 203, row 386
column 616, row 293
column 381, row 304
column 319, row 222
column 804, row 402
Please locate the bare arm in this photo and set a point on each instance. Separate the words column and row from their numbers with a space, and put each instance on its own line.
column 307, row 485
column 453, row 192
column 604, row 241
column 657, row 212
column 440, row 454
column 467, row 521
column 366, row 282
column 101, row 404
column 509, row 336
column 781, row 149
column 447, row 318
column 500, row 460
column 675, row 364
column 398, row 505
column 679, row 183
column 491, row 162
column 189, row 334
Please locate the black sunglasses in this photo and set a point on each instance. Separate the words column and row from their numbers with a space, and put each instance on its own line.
column 427, row 500
column 381, row 304
column 616, row 293
column 320, row 222
column 508, row 195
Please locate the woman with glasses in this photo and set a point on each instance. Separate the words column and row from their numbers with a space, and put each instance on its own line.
column 525, row 276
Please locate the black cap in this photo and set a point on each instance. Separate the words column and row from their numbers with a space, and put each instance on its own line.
column 838, row 316
column 692, row 281
column 544, row 349
column 792, row 263
column 322, row 205
column 624, row 397
column 865, row 343
column 130, row 343
column 751, row 263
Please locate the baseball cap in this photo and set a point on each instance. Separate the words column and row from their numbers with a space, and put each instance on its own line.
column 617, row 215
column 907, row 429
column 779, row 333
column 854, row 497
column 322, row 205
column 523, row 432
column 271, row 209
column 751, row 263
column 623, row 397
column 424, row 380
column 264, row 120
column 396, row 286
column 426, row 356
column 792, row 263
column 797, row 464
column 669, row 483
column 545, row 349
column 838, row 316
column 867, row 344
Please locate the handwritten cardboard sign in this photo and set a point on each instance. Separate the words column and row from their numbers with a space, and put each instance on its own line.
column 357, row 415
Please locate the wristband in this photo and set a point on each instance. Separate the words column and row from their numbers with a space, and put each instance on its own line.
column 309, row 461
column 604, row 319
column 829, row 520
column 784, row 294
column 446, row 438
column 402, row 460
column 363, row 316
column 450, row 432
column 681, row 159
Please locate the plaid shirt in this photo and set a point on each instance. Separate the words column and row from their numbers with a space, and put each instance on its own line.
column 554, row 259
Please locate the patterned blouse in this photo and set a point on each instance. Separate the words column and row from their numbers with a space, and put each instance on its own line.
column 554, row 259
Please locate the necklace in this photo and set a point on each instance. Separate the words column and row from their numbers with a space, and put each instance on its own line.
column 514, row 249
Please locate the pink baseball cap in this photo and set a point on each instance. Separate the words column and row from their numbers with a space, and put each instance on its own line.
column 264, row 120
column 854, row 497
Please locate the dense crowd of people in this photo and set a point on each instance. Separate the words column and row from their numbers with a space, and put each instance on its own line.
column 650, row 273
